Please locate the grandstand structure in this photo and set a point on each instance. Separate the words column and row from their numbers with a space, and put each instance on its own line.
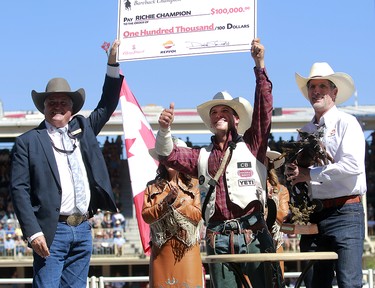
column 187, row 121
column 109, row 260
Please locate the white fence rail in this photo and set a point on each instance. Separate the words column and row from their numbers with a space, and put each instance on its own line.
column 100, row 282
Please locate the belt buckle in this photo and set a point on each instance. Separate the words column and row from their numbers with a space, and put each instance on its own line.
column 74, row 219
column 229, row 232
column 231, row 226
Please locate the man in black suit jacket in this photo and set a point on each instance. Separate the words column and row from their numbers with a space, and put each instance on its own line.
column 42, row 186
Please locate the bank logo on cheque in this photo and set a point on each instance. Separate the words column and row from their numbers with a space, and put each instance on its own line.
column 167, row 47
column 168, row 44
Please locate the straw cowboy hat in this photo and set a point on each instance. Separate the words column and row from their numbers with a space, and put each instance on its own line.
column 59, row 85
column 322, row 70
column 178, row 142
column 242, row 107
column 275, row 158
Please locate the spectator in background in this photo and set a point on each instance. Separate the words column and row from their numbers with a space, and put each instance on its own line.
column 188, row 142
column 2, row 231
column 98, row 219
column 272, row 143
column 20, row 245
column 107, row 242
column 118, row 216
column 118, row 243
column 107, row 220
column 9, row 245
column 117, row 226
column 9, row 213
column 10, row 227
column 116, row 187
column 97, row 248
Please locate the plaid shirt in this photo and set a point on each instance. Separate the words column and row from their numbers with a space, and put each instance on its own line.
column 256, row 139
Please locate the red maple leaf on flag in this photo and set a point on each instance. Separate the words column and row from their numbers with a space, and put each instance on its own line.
column 129, row 143
column 142, row 167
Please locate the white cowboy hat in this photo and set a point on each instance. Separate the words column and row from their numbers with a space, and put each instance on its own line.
column 59, row 85
column 322, row 70
column 242, row 107
column 272, row 155
column 178, row 142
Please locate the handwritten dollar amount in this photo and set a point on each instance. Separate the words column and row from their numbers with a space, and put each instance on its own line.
column 229, row 10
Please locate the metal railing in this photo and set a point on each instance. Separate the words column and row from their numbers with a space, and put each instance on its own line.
column 101, row 282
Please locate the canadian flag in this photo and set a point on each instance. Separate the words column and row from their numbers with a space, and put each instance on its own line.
column 142, row 167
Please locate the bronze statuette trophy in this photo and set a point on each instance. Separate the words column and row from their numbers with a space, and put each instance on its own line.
column 306, row 152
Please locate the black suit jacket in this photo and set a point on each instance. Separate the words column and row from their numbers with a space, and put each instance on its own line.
column 35, row 182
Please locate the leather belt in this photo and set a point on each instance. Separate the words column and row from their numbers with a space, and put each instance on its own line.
column 340, row 201
column 73, row 219
column 235, row 226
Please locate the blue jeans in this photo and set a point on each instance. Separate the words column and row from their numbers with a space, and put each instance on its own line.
column 341, row 230
column 250, row 235
column 69, row 260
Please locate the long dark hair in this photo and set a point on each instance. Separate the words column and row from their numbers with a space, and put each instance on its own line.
column 162, row 177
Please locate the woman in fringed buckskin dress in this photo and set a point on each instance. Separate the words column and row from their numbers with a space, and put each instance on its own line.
column 172, row 208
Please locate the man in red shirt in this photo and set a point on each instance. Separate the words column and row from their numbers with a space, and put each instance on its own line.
column 234, row 194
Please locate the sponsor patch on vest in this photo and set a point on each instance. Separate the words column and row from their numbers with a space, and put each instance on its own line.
column 245, row 173
column 243, row 164
column 201, row 180
column 246, row 182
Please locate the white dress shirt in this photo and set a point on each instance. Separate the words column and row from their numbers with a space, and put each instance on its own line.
column 66, row 179
column 345, row 142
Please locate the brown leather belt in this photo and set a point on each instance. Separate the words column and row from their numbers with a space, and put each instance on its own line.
column 340, row 201
column 73, row 219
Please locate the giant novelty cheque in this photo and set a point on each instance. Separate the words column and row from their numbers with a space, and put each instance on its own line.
column 150, row 29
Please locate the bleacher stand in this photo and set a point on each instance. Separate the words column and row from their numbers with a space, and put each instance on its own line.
column 105, row 225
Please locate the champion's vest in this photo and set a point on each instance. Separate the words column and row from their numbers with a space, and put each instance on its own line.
column 245, row 176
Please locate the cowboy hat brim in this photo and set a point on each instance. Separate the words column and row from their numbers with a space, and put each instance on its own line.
column 242, row 107
column 343, row 82
column 274, row 155
column 78, row 98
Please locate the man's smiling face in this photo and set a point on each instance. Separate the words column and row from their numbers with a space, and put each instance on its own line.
column 223, row 118
column 58, row 109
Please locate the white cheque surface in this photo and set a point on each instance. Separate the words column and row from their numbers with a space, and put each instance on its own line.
column 150, row 29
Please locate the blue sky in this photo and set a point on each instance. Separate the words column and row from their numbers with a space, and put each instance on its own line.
column 45, row 39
